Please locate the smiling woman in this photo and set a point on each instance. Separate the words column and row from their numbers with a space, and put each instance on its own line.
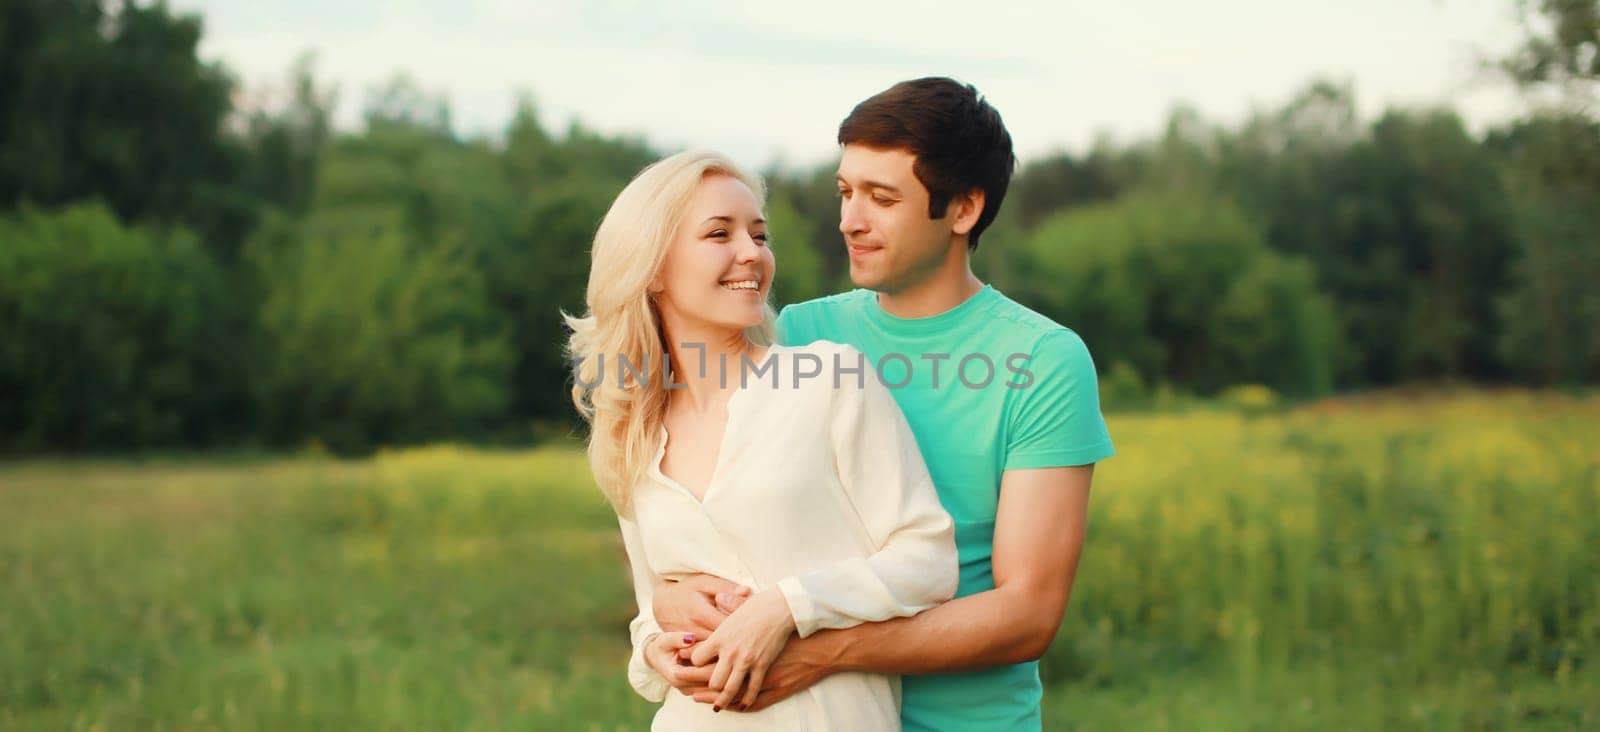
column 816, row 499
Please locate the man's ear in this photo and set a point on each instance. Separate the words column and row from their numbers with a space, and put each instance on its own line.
column 966, row 207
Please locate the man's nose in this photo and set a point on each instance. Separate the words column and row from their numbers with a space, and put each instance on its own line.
column 850, row 219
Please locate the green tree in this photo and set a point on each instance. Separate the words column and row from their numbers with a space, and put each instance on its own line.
column 1562, row 50
column 1551, row 313
column 371, row 341
column 115, row 105
column 1407, row 224
column 799, row 266
column 108, row 334
column 1182, row 289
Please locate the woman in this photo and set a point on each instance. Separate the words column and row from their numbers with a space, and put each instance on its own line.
column 810, row 491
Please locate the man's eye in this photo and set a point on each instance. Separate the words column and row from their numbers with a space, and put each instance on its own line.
column 882, row 201
column 844, row 193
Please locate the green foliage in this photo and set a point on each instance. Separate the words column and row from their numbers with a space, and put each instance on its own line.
column 1180, row 288
column 115, row 106
column 1408, row 229
column 1551, row 313
column 109, row 336
column 1348, row 565
column 1562, row 47
column 1191, row 260
column 799, row 275
column 370, row 340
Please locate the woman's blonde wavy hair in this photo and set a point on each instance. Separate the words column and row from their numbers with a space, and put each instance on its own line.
column 623, row 321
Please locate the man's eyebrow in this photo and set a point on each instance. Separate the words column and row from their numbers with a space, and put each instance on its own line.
column 872, row 184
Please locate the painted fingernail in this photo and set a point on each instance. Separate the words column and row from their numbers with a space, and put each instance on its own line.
column 716, row 709
column 688, row 637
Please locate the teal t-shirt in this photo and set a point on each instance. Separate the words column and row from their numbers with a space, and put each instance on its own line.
column 986, row 386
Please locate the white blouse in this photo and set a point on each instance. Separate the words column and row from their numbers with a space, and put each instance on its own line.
column 819, row 491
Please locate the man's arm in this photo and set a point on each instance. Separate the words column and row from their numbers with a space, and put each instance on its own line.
column 1038, row 537
column 696, row 604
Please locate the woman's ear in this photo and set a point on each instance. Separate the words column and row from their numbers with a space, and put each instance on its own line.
column 967, row 208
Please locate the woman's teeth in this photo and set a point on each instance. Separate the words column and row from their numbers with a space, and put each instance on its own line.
column 745, row 285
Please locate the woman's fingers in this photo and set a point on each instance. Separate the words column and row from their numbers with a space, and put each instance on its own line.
column 698, row 675
column 731, row 687
column 752, row 688
column 663, row 653
column 704, row 652
column 695, row 692
column 719, row 676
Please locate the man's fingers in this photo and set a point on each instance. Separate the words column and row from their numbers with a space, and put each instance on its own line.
column 694, row 692
column 708, row 616
column 709, row 584
column 728, row 602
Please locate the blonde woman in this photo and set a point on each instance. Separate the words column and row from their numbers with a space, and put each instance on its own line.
column 728, row 455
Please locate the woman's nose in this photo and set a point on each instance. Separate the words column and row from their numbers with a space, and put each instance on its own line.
column 749, row 249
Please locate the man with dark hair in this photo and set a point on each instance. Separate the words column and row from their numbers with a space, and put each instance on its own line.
column 925, row 167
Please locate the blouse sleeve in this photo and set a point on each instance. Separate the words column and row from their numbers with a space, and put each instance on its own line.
column 886, row 481
column 650, row 684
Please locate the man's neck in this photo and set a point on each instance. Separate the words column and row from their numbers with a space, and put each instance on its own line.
column 942, row 291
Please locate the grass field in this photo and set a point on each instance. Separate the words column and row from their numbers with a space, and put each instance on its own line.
column 1421, row 562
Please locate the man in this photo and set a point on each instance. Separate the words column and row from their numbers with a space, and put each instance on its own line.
column 925, row 167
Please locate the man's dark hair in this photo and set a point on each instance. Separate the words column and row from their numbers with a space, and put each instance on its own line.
column 957, row 137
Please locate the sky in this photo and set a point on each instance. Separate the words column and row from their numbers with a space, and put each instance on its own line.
column 768, row 83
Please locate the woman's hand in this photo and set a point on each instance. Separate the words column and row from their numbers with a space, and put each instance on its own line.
column 662, row 653
column 745, row 645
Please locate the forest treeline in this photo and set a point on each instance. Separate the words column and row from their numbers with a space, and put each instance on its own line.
column 183, row 263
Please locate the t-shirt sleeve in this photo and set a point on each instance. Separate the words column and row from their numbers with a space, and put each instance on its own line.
column 1057, row 420
column 789, row 325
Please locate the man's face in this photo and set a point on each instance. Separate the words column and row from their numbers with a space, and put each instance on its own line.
column 883, row 214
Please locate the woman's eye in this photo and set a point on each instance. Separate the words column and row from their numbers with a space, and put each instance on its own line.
column 762, row 237
column 719, row 234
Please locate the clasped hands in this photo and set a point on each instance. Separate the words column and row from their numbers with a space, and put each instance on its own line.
column 721, row 643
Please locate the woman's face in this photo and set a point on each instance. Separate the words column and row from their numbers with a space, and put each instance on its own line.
column 718, row 269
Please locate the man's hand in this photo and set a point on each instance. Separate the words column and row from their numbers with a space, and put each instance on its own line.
column 696, row 604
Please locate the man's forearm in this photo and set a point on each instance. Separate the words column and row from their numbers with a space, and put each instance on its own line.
column 982, row 630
